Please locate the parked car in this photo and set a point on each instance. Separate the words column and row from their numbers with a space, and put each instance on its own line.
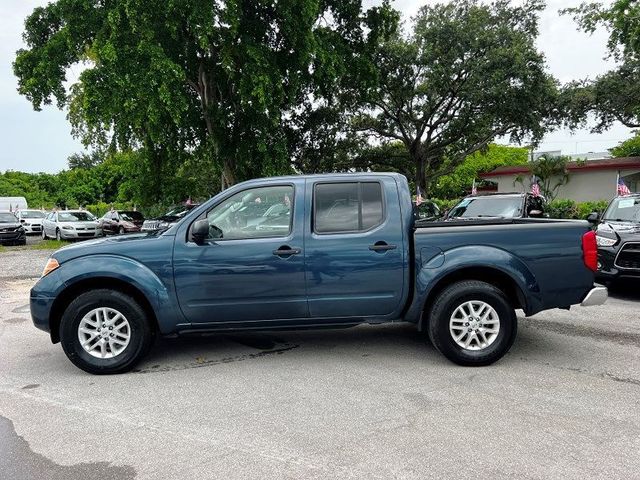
column 343, row 250
column 11, row 231
column 499, row 205
column 618, row 238
column 170, row 218
column 121, row 222
column 31, row 220
column 427, row 211
column 70, row 225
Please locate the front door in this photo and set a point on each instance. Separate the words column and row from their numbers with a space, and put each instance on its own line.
column 251, row 268
column 354, row 249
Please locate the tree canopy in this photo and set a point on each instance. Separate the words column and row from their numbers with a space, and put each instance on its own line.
column 466, row 74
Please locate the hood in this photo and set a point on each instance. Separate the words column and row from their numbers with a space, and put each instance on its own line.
column 10, row 225
column 625, row 230
column 117, row 245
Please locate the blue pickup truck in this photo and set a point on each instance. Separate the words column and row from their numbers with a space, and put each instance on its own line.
column 313, row 252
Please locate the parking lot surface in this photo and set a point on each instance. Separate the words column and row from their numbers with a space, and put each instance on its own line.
column 367, row 402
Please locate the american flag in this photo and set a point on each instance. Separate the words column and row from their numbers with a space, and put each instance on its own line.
column 535, row 189
column 622, row 188
column 419, row 198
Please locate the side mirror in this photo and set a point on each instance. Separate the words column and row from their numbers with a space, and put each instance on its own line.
column 535, row 213
column 593, row 217
column 200, row 231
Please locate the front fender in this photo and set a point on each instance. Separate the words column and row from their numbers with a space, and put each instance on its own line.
column 158, row 293
column 430, row 271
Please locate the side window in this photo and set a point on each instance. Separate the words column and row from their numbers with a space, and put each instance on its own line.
column 255, row 213
column 347, row 207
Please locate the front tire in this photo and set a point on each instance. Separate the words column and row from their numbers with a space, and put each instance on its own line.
column 121, row 231
column 105, row 331
column 472, row 323
column 44, row 235
column 58, row 235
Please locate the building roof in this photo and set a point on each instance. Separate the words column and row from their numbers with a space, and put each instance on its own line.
column 601, row 164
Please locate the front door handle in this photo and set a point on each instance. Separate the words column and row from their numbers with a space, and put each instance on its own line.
column 286, row 250
column 382, row 246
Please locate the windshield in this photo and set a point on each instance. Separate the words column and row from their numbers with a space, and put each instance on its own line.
column 131, row 216
column 507, row 207
column 624, row 210
column 7, row 217
column 75, row 217
column 31, row 214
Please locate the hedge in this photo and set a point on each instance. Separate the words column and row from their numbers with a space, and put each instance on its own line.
column 564, row 208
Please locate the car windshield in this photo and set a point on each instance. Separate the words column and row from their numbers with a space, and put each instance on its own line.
column 6, row 217
column 131, row 216
column 75, row 217
column 624, row 210
column 32, row 214
column 507, row 207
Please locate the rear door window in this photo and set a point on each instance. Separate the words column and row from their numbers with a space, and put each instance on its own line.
column 347, row 207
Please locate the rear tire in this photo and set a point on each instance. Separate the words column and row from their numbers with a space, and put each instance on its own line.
column 77, row 327
column 472, row 323
column 121, row 230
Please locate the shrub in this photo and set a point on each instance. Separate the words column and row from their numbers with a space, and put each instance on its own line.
column 565, row 208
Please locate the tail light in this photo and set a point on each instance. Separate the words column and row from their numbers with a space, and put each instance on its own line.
column 590, row 250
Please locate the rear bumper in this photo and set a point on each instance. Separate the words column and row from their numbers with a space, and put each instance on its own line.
column 596, row 296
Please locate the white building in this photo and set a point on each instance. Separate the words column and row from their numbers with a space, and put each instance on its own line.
column 590, row 180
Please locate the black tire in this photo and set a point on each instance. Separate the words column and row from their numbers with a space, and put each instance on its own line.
column 444, row 307
column 58, row 235
column 141, row 332
column 44, row 235
column 121, row 231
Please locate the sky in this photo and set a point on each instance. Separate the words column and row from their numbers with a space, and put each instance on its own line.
column 41, row 141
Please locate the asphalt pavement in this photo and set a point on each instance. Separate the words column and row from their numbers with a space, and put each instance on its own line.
column 368, row 402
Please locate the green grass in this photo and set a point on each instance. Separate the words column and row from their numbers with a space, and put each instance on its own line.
column 2, row 248
column 47, row 245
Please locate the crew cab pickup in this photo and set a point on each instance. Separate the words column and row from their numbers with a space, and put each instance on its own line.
column 313, row 251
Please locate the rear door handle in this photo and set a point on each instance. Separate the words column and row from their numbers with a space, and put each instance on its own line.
column 286, row 250
column 382, row 246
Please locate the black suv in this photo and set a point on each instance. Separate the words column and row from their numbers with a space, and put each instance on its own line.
column 498, row 205
column 618, row 238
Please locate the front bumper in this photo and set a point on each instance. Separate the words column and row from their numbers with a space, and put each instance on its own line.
column 12, row 237
column 596, row 296
column 78, row 234
column 608, row 269
column 32, row 228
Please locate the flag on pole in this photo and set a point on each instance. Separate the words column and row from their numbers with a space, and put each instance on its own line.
column 622, row 188
column 474, row 190
column 535, row 188
column 419, row 198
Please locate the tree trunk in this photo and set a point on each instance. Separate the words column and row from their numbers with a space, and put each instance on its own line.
column 228, row 174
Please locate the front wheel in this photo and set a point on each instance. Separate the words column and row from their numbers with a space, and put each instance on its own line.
column 105, row 331
column 472, row 323
column 58, row 235
column 121, row 230
column 44, row 235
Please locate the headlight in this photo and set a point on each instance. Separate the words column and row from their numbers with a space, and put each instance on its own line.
column 605, row 241
column 163, row 225
column 67, row 227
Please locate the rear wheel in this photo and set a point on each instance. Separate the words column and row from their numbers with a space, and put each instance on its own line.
column 105, row 331
column 472, row 323
column 121, row 230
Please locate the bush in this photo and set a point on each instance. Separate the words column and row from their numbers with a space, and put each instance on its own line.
column 445, row 204
column 564, row 208
column 100, row 208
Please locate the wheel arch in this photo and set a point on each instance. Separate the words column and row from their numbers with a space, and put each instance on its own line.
column 491, row 275
column 66, row 296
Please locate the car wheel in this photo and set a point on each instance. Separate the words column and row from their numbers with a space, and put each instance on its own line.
column 472, row 323
column 121, row 230
column 44, row 235
column 105, row 331
column 58, row 235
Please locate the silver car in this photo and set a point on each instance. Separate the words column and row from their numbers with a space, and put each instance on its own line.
column 70, row 225
column 31, row 220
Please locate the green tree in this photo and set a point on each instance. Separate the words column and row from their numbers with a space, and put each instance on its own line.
column 614, row 96
column 173, row 77
column 628, row 148
column 467, row 74
column 550, row 172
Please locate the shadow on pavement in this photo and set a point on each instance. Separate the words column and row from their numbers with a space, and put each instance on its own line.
column 625, row 289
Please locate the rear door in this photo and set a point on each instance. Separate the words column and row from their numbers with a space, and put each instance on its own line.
column 354, row 248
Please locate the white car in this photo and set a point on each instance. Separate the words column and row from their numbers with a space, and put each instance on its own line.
column 31, row 220
column 71, row 225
